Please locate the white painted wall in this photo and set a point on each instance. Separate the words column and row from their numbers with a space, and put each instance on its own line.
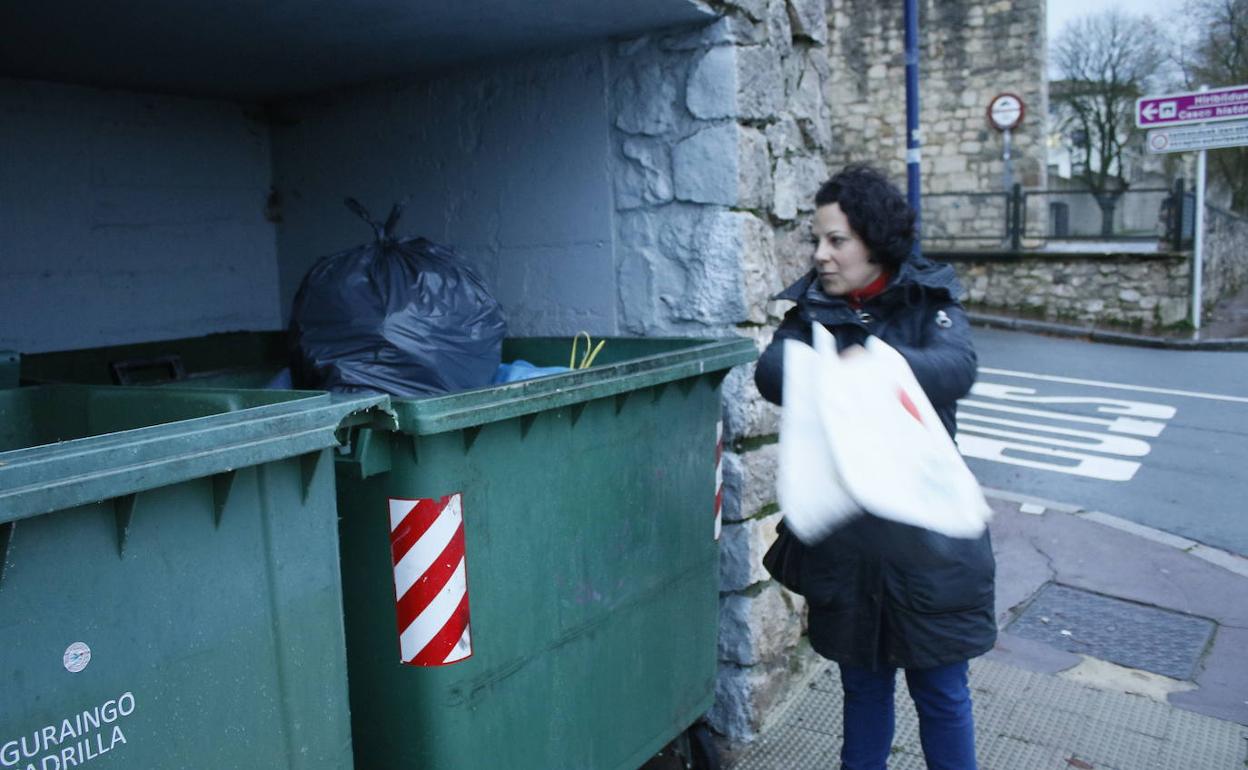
column 507, row 163
column 130, row 217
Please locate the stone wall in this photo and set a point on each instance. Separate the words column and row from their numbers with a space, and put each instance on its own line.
column 718, row 147
column 720, row 138
column 1226, row 255
column 1144, row 291
column 970, row 52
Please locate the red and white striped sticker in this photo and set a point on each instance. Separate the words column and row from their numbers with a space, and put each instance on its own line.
column 430, row 580
column 719, row 478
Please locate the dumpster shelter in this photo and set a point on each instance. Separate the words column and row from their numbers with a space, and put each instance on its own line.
column 197, row 572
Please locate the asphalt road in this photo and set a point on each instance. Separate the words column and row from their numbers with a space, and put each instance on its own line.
column 1159, row 437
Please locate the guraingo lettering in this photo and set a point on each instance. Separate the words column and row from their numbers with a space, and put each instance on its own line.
column 76, row 740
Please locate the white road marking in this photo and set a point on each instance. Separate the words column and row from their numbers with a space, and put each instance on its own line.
column 1118, row 385
column 1096, row 442
column 1045, row 458
column 1117, row 425
column 1103, row 405
column 1099, row 454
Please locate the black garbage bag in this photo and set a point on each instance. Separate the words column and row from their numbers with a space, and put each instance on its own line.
column 400, row 316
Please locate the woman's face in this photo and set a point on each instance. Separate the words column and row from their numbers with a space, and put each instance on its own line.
column 841, row 258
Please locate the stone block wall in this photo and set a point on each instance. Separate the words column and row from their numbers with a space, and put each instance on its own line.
column 970, row 52
column 719, row 139
column 1226, row 255
column 1146, row 291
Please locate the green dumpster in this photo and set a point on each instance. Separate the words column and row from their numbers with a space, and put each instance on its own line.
column 530, row 571
column 169, row 586
column 10, row 365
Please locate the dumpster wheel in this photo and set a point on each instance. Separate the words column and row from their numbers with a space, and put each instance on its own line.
column 697, row 747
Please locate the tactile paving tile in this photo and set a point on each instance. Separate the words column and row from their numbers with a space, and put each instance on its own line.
column 1198, row 741
column 828, row 680
column 1012, row 754
column 1134, row 712
column 1114, row 746
column 1111, row 731
column 791, row 748
column 1043, row 724
column 818, row 710
column 1055, row 692
column 1132, row 635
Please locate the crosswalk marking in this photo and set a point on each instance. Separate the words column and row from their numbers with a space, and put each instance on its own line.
column 1043, row 443
column 1115, row 385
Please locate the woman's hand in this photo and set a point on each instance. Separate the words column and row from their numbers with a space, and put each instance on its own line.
column 852, row 352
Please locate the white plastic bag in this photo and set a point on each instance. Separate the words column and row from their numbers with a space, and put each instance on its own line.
column 859, row 434
column 808, row 482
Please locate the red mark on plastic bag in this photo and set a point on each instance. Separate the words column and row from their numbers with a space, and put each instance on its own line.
column 904, row 398
column 1079, row 763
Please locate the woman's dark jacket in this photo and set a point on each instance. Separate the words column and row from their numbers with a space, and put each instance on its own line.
column 882, row 593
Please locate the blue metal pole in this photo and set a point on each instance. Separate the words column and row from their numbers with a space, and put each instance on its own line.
column 912, row 113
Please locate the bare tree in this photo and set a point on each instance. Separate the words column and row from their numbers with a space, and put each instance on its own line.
column 1106, row 61
column 1214, row 54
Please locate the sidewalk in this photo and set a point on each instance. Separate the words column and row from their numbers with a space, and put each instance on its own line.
column 1122, row 648
column 1225, row 328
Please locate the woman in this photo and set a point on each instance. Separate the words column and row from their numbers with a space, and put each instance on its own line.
column 884, row 595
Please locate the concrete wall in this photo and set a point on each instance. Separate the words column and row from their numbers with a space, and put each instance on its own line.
column 129, row 217
column 506, row 163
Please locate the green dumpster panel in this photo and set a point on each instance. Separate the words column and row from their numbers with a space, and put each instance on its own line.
column 188, row 613
column 156, row 361
column 10, row 367
column 592, row 568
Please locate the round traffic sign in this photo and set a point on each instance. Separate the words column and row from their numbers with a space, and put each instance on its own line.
column 1005, row 111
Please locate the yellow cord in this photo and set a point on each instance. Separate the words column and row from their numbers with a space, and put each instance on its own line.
column 589, row 360
column 588, row 356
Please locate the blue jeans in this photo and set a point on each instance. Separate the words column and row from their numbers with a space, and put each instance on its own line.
column 941, row 698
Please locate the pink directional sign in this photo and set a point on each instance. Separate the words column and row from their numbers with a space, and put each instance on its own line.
column 1193, row 107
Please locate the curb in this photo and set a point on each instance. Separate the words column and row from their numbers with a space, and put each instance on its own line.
column 1228, row 561
column 1103, row 335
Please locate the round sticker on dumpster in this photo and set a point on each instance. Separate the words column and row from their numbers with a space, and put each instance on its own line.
column 76, row 657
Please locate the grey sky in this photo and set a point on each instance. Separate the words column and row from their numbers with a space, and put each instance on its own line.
column 1062, row 11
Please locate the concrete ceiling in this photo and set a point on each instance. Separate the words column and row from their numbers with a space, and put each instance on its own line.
column 258, row 49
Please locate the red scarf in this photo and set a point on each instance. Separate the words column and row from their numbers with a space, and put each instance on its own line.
column 857, row 297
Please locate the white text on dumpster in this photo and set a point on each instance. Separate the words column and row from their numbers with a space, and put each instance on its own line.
column 76, row 740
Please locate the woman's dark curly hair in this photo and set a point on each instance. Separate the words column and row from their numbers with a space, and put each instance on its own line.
column 876, row 210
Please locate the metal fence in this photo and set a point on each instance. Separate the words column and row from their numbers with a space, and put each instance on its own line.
column 1027, row 219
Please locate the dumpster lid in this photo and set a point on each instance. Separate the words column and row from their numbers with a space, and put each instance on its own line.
column 251, row 428
column 690, row 358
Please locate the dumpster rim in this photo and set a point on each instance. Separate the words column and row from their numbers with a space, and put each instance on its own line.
column 480, row 406
column 53, row 477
